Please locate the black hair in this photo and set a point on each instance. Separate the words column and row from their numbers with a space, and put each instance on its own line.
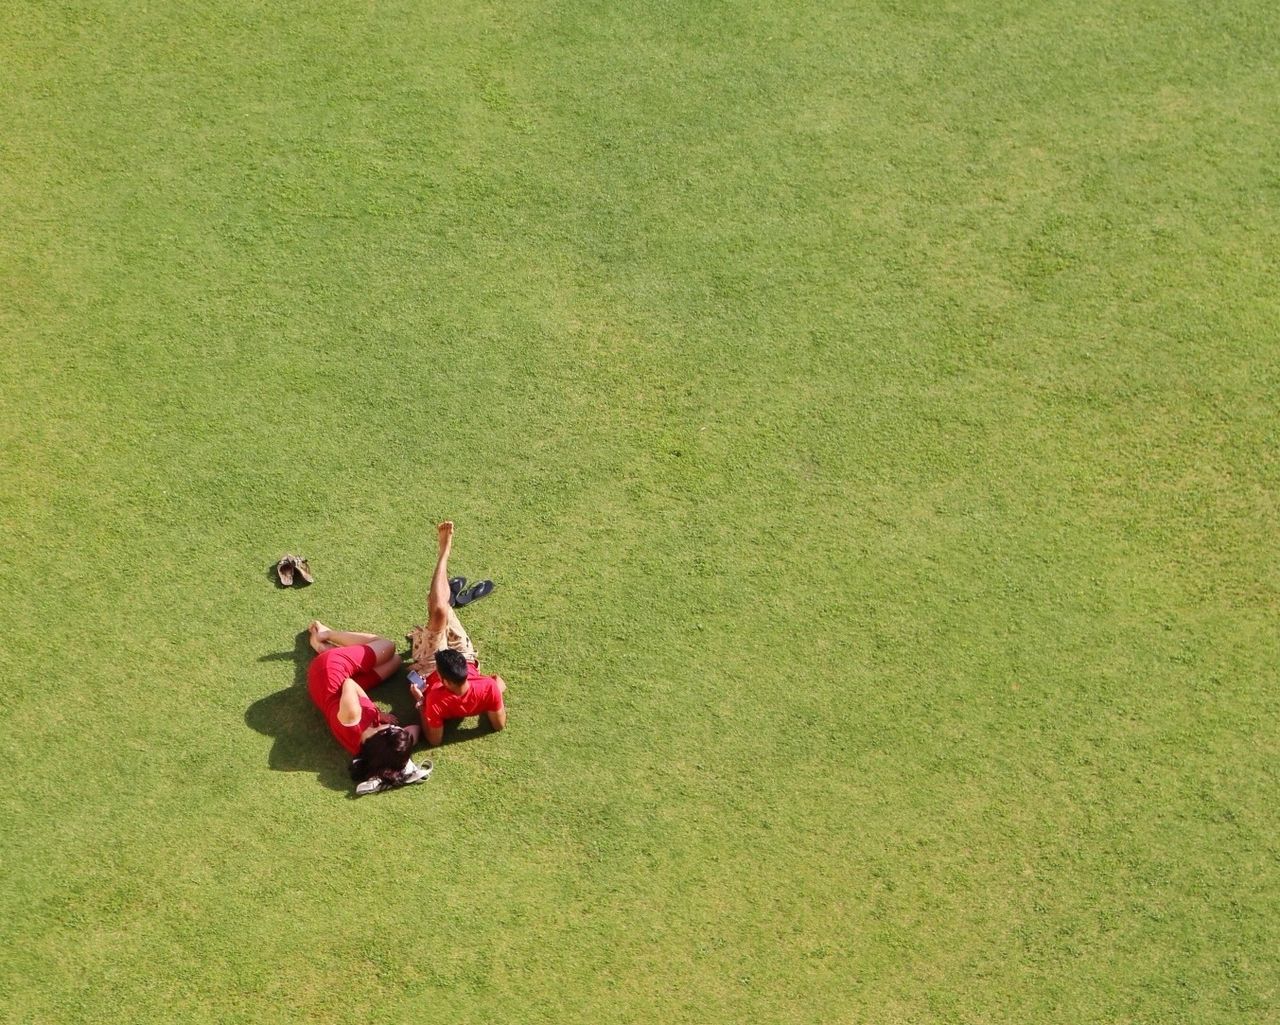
column 452, row 666
column 384, row 754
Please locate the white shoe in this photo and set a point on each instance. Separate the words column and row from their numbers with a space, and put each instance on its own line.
column 416, row 773
column 409, row 775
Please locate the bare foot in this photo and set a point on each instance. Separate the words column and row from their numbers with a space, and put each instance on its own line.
column 319, row 636
column 445, row 534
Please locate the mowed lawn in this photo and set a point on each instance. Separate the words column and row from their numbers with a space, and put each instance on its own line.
column 868, row 411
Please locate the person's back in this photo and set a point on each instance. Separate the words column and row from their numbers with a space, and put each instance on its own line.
column 456, row 690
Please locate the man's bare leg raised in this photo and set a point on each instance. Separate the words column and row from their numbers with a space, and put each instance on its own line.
column 438, row 608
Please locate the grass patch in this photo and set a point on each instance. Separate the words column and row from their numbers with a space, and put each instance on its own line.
column 867, row 411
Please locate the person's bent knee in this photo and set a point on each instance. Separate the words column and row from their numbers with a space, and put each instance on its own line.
column 389, row 667
column 383, row 649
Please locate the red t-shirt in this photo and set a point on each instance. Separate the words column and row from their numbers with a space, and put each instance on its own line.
column 326, row 675
column 483, row 695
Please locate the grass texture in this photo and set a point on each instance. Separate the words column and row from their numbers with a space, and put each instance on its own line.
column 868, row 412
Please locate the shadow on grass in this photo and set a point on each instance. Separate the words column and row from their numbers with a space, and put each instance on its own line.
column 302, row 741
column 456, row 733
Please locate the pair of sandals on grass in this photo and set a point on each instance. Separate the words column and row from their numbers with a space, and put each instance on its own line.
column 460, row 594
column 293, row 568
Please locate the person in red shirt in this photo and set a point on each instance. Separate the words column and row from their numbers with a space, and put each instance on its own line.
column 346, row 666
column 454, row 687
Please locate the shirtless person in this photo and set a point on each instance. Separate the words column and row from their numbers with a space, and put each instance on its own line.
column 443, row 653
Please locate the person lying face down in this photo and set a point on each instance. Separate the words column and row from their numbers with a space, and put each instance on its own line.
column 346, row 666
column 455, row 690
column 454, row 687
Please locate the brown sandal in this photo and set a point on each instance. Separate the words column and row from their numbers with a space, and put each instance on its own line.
column 288, row 565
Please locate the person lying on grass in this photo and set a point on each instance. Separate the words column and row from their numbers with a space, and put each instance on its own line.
column 454, row 687
column 345, row 667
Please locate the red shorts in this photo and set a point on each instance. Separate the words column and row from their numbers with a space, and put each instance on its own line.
column 330, row 669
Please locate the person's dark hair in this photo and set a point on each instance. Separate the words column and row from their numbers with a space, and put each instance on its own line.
column 451, row 666
column 383, row 754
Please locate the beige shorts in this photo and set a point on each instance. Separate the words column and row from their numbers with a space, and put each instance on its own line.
column 423, row 644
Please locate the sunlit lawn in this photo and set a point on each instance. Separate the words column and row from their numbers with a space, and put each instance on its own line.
column 867, row 411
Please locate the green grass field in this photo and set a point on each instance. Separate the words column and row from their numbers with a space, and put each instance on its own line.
column 870, row 414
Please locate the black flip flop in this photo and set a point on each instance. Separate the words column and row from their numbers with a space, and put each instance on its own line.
column 456, row 584
column 474, row 593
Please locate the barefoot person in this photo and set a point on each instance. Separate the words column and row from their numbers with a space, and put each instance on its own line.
column 442, row 652
column 345, row 667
